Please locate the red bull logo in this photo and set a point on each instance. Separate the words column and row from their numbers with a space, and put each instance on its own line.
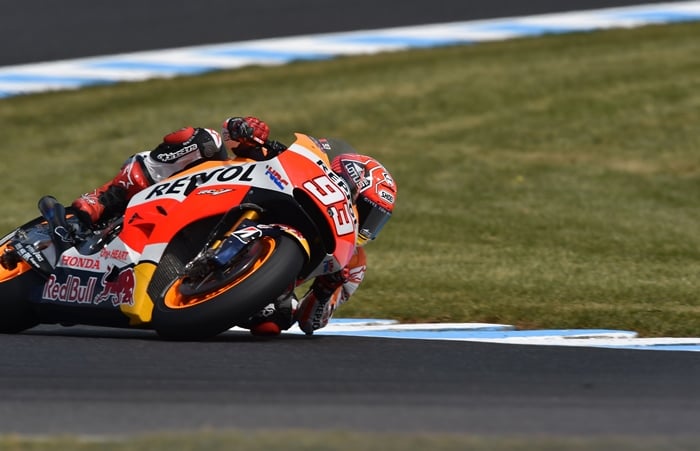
column 117, row 287
column 71, row 291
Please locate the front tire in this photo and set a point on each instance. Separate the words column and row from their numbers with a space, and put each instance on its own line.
column 272, row 269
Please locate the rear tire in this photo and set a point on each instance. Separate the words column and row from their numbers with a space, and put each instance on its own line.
column 180, row 317
column 16, row 314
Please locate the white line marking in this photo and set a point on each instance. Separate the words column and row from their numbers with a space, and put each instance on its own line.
column 77, row 73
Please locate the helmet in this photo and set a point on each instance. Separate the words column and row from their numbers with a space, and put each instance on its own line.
column 372, row 188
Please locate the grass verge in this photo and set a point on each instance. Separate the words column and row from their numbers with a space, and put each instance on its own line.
column 544, row 182
column 342, row 441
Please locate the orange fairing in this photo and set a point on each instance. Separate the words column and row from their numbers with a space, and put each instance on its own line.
column 7, row 274
column 324, row 188
column 210, row 189
column 159, row 217
column 305, row 141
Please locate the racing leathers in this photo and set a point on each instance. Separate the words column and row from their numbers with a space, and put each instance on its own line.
column 190, row 146
column 178, row 151
column 330, row 291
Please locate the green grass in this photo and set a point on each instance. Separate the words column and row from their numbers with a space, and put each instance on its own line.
column 547, row 182
column 342, row 441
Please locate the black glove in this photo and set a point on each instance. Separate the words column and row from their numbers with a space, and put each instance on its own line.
column 114, row 201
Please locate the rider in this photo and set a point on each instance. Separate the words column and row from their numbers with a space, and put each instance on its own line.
column 372, row 189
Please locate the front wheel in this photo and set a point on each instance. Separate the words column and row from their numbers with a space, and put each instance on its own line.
column 270, row 267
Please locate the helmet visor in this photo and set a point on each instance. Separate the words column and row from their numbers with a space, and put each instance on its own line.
column 372, row 219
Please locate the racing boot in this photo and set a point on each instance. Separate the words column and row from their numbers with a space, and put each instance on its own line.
column 109, row 200
column 274, row 318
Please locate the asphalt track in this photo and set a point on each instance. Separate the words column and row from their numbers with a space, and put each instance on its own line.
column 102, row 381
column 46, row 30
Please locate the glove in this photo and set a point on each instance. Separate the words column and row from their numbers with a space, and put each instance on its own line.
column 249, row 131
column 91, row 207
column 88, row 208
column 114, row 200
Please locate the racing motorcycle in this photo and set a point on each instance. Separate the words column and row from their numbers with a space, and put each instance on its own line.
column 192, row 255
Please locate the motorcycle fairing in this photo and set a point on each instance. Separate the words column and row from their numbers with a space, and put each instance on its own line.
column 112, row 278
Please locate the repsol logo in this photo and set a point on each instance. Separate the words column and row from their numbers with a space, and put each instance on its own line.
column 186, row 185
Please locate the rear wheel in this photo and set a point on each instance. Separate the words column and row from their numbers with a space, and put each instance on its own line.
column 16, row 314
column 194, row 309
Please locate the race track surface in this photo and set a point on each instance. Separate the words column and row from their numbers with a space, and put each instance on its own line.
column 104, row 381
column 47, row 30
column 101, row 381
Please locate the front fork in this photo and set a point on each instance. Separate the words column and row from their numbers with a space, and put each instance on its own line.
column 222, row 247
column 251, row 215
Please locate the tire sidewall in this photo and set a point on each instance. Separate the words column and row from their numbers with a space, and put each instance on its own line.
column 16, row 312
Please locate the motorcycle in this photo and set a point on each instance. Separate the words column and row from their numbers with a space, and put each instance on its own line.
column 192, row 255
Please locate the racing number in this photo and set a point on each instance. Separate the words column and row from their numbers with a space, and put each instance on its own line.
column 325, row 190
column 329, row 194
column 341, row 218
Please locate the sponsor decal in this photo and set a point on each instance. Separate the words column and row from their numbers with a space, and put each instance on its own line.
column 357, row 173
column 387, row 196
column 329, row 266
column 387, row 178
column 126, row 181
column 188, row 184
column 115, row 254
column 323, row 312
column 353, row 170
column 318, row 316
column 215, row 192
column 170, row 156
column 247, row 234
column 322, row 143
column 117, row 287
column 276, row 177
column 80, row 262
column 325, row 145
column 71, row 291
column 29, row 254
